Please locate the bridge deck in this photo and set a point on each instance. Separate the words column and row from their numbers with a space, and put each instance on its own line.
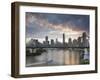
column 58, row 47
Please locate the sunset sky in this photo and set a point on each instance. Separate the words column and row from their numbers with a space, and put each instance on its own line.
column 39, row 25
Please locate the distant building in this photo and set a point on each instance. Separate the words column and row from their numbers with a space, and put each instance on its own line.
column 82, row 41
column 56, row 40
column 52, row 42
column 79, row 42
column 58, row 44
column 46, row 38
column 63, row 39
column 70, row 42
column 85, row 41
column 46, row 42
column 33, row 43
column 75, row 43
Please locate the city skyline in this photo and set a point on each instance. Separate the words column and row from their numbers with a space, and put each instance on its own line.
column 81, row 41
column 39, row 25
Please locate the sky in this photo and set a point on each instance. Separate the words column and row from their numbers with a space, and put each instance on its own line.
column 39, row 25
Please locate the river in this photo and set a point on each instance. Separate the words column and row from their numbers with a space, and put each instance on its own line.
column 57, row 56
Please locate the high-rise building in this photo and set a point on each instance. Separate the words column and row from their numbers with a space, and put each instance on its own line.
column 46, row 42
column 63, row 38
column 75, row 43
column 84, row 36
column 56, row 40
column 52, row 42
column 70, row 42
column 79, row 42
column 85, row 42
column 46, row 38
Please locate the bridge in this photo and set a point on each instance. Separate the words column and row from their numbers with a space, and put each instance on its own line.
column 32, row 47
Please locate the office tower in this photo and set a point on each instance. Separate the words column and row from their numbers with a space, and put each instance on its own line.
column 79, row 42
column 63, row 38
column 46, row 38
column 70, row 42
column 46, row 41
column 52, row 42
column 84, row 36
column 75, row 43
column 56, row 40
column 85, row 42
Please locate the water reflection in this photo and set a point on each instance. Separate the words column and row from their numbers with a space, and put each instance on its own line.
column 56, row 56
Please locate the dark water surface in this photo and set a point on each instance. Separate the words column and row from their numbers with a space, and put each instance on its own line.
column 56, row 56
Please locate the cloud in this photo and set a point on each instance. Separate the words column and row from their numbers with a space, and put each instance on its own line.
column 40, row 24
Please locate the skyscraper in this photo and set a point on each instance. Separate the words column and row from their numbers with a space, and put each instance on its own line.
column 46, row 38
column 84, row 36
column 56, row 40
column 69, row 42
column 46, row 42
column 75, row 43
column 63, row 38
column 52, row 42
column 79, row 42
column 85, row 42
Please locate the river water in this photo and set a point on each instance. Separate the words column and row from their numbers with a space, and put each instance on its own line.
column 56, row 56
